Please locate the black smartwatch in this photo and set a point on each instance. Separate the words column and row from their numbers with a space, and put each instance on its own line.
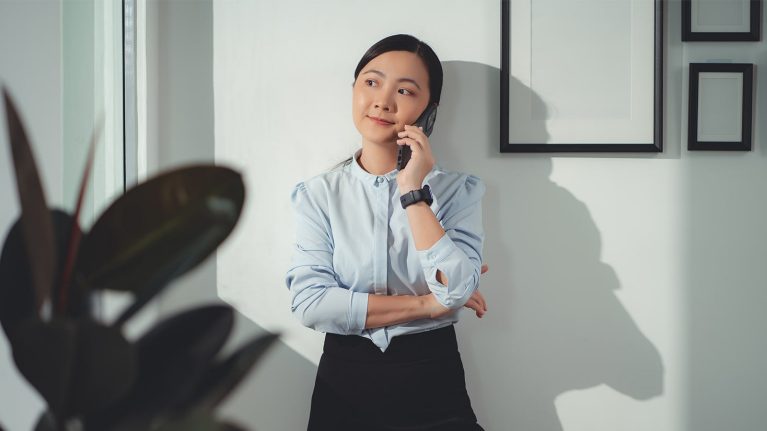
column 415, row 196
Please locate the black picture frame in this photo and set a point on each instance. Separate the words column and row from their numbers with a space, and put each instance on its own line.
column 696, row 142
column 655, row 144
column 752, row 35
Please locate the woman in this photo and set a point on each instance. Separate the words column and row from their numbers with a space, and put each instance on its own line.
column 382, row 271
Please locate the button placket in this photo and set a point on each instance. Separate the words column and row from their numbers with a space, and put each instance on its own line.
column 380, row 257
column 380, row 238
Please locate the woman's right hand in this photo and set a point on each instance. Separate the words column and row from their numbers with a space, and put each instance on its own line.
column 477, row 302
column 437, row 310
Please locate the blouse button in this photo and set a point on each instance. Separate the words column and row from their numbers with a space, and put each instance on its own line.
column 379, row 180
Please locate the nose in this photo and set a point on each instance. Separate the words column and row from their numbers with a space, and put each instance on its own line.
column 384, row 103
column 384, row 106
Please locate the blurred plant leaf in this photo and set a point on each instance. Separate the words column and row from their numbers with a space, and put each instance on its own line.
column 75, row 234
column 230, row 426
column 37, row 227
column 47, row 422
column 172, row 357
column 78, row 366
column 17, row 301
column 105, row 368
column 38, row 231
column 44, row 354
column 198, row 421
column 76, row 302
column 159, row 230
column 17, row 295
column 222, row 378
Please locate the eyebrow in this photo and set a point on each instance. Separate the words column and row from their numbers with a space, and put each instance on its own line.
column 383, row 75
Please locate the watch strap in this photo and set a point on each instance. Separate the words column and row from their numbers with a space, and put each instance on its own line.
column 415, row 196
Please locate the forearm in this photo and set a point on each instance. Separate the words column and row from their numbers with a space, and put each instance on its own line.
column 426, row 230
column 391, row 310
column 424, row 225
column 441, row 257
column 386, row 310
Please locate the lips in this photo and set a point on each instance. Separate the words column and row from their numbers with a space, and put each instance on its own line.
column 380, row 121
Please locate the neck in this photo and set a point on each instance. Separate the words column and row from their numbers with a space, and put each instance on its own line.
column 378, row 160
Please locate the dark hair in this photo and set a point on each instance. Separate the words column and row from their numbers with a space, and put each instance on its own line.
column 405, row 42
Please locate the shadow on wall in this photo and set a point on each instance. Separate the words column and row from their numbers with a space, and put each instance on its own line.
column 554, row 323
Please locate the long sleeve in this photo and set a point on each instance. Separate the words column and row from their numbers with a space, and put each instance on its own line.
column 458, row 254
column 317, row 300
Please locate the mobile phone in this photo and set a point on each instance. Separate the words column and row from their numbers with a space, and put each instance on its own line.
column 426, row 121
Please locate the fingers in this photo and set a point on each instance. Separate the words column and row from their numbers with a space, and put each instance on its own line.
column 415, row 130
column 416, row 134
column 477, row 295
column 478, row 310
column 481, row 299
column 477, row 303
column 474, row 305
column 421, row 157
column 412, row 143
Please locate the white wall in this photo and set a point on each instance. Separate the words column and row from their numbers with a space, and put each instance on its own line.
column 30, row 67
column 180, row 128
column 624, row 291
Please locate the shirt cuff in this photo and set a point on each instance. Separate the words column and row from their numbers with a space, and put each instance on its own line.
column 431, row 259
column 358, row 312
column 438, row 252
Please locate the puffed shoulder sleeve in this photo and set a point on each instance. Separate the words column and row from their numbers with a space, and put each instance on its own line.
column 458, row 254
column 317, row 300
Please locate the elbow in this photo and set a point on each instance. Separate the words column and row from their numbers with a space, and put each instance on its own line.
column 306, row 302
column 307, row 320
column 319, row 305
column 305, row 315
column 458, row 298
column 315, row 311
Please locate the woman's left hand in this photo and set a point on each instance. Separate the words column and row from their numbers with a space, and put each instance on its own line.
column 421, row 160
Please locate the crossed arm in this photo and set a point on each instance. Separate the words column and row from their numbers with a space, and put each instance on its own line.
column 391, row 310
column 319, row 303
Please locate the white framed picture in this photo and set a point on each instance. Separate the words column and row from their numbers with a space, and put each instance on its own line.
column 581, row 76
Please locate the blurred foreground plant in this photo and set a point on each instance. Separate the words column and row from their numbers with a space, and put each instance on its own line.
column 90, row 375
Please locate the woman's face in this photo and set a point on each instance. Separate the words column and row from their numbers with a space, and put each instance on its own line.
column 392, row 90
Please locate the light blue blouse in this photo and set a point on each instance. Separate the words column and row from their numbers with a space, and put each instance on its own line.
column 353, row 238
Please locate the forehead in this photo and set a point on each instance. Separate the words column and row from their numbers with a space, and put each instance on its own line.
column 399, row 64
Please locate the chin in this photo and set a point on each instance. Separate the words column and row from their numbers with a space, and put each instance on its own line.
column 384, row 141
column 381, row 139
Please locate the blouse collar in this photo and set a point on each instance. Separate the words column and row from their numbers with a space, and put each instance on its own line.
column 369, row 178
column 366, row 176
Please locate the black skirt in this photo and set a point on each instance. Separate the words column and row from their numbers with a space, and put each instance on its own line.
column 418, row 384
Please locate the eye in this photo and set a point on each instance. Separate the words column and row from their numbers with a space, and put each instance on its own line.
column 370, row 82
column 405, row 91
